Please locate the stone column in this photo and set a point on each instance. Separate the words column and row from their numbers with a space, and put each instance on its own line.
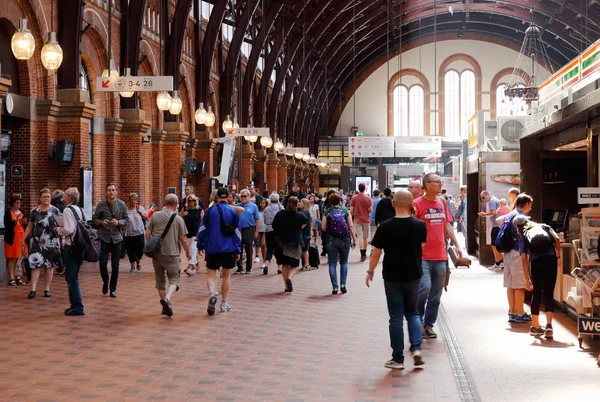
column 260, row 170
column 282, row 174
column 272, row 171
column 133, row 161
column 155, row 166
column 112, row 142
column 173, row 155
column 247, row 166
column 299, row 175
column 204, row 150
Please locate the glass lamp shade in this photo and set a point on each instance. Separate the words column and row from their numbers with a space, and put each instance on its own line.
column 298, row 155
column 176, row 103
column 227, row 124
column 266, row 142
column 210, row 118
column 22, row 42
column 52, row 53
column 306, row 157
column 251, row 138
column 201, row 114
column 111, row 71
column 236, row 125
column 127, row 94
column 163, row 101
column 279, row 146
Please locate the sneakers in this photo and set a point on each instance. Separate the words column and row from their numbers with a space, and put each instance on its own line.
column 167, row 309
column 288, row 286
column 522, row 318
column 278, row 272
column 256, row 260
column 225, row 307
column 265, row 269
column 418, row 359
column 212, row 301
column 132, row 269
column 533, row 331
column 512, row 317
column 548, row 333
column 239, row 271
column 498, row 267
column 334, row 292
column 343, row 289
column 394, row 365
column 362, row 258
column 428, row 332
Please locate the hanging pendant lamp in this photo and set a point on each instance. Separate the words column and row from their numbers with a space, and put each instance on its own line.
column 176, row 103
column 23, row 42
column 210, row 117
column 52, row 53
column 127, row 94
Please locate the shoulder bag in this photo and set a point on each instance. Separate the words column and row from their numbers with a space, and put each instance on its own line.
column 153, row 245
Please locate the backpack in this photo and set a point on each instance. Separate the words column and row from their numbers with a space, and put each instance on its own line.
column 85, row 238
column 538, row 239
column 337, row 226
column 227, row 229
column 504, row 240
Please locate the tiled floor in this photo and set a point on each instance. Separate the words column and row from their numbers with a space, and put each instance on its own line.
column 308, row 345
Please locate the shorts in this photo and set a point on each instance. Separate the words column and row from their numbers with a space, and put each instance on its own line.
column 169, row 265
column 514, row 278
column 285, row 260
column 362, row 229
column 216, row 261
column 495, row 232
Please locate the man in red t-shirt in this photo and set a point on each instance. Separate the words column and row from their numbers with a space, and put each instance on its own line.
column 438, row 220
column 361, row 207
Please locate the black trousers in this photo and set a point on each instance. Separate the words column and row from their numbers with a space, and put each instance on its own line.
column 115, row 250
column 135, row 247
column 247, row 238
column 543, row 278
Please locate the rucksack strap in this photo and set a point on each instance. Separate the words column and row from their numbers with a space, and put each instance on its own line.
column 168, row 225
column 82, row 218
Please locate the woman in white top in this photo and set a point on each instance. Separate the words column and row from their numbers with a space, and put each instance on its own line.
column 134, row 232
column 261, row 249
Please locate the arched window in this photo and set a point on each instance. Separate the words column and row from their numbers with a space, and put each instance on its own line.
column 416, row 112
column 506, row 106
column 452, row 103
column 400, row 111
column 467, row 99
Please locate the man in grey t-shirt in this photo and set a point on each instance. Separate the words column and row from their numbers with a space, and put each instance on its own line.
column 167, row 263
column 492, row 213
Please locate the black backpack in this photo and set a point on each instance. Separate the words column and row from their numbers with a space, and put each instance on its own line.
column 85, row 238
column 539, row 239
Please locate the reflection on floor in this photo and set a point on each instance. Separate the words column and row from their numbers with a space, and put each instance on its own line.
column 308, row 345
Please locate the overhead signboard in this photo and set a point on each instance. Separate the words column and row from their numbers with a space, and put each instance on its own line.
column 134, row 84
column 296, row 150
column 418, row 147
column 588, row 195
column 371, row 147
column 248, row 131
column 410, row 170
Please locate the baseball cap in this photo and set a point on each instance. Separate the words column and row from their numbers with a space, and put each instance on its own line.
column 520, row 220
column 222, row 193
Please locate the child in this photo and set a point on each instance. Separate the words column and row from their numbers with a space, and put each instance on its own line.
column 503, row 210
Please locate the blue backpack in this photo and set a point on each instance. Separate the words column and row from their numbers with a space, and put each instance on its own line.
column 504, row 240
column 337, row 226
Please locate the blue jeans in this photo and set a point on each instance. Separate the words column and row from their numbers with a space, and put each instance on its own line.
column 73, row 261
column 430, row 291
column 402, row 302
column 335, row 246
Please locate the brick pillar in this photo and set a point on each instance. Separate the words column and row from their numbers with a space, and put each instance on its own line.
column 204, row 150
column 5, row 84
column 272, row 171
column 74, row 121
column 260, row 170
column 133, row 156
column 282, row 174
column 41, row 170
column 247, row 166
column 112, row 131
column 155, row 166
column 299, row 175
column 173, row 156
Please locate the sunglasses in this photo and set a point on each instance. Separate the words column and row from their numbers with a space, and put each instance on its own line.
column 435, row 181
column 190, row 201
column 243, row 196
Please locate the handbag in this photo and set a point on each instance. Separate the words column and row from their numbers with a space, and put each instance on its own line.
column 22, row 270
column 154, row 243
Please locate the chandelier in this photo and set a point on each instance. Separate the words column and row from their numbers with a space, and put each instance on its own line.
column 533, row 65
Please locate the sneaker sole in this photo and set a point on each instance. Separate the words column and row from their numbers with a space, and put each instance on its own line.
column 549, row 336
column 394, row 367
column 419, row 363
column 168, row 309
column 212, row 301
column 430, row 336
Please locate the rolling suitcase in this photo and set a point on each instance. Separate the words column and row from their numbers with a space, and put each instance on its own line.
column 313, row 256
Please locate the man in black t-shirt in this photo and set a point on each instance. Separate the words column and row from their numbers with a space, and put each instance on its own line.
column 385, row 209
column 401, row 238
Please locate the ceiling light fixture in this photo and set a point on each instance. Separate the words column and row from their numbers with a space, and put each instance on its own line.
column 22, row 42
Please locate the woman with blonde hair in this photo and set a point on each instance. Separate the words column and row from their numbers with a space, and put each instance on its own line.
column 213, row 198
column 134, row 232
column 192, row 216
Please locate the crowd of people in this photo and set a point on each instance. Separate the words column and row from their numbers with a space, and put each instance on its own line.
column 411, row 228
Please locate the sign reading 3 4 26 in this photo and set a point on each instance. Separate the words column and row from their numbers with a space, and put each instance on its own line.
column 135, row 84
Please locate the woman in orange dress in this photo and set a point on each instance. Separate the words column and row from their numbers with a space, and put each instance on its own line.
column 13, row 223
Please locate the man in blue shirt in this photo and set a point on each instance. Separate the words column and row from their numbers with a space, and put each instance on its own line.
column 249, row 228
column 491, row 213
column 376, row 199
column 516, row 268
column 220, row 238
